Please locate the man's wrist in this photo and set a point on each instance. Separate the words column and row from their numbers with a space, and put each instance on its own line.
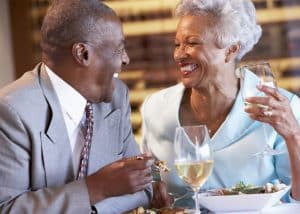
column 94, row 191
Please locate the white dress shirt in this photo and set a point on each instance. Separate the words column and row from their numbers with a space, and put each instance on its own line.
column 72, row 105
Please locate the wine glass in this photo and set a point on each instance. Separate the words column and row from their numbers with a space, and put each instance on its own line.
column 193, row 157
column 252, row 75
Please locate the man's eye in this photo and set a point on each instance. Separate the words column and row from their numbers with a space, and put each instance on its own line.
column 120, row 49
column 176, row 45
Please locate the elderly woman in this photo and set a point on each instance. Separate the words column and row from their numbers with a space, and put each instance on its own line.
column 211, row 38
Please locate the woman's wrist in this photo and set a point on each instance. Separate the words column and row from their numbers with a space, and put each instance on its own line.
column 293, row 136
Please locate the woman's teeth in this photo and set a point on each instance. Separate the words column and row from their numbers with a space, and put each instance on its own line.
column 188, row 68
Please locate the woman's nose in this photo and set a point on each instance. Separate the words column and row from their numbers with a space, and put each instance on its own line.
column 180, row 52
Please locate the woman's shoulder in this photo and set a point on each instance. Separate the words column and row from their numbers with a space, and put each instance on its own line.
column 166, row 94
column 294, row 101
column 289, row 95
column 167, row 98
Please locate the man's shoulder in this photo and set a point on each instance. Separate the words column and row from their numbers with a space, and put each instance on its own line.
column 21, row 89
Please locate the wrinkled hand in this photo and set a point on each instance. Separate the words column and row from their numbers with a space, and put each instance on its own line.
column 278, row 112
column 161, row 198
column 125, row 176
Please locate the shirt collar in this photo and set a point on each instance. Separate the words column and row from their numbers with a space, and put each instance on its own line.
column 71, row 101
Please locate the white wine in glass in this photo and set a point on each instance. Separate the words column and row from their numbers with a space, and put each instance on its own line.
column 252, row 75
column 193, row 157
column 194, row 173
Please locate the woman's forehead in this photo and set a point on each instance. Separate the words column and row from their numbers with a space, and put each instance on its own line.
column 193, row 25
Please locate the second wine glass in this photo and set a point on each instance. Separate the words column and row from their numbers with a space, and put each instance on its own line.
column 193, row 157
column 252, row 75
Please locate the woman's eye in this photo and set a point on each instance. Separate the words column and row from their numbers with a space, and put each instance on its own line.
column 193, row 43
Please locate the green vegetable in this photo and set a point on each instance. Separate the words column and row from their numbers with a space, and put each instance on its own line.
column 241, row 188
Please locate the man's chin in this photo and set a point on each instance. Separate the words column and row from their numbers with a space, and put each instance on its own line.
column 107, row 99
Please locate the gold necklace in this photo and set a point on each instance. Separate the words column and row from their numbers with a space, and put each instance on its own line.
column 211, row 124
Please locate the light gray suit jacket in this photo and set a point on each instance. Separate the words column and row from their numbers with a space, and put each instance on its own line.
column 36, row 171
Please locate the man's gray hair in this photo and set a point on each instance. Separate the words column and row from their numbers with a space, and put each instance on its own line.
column 70, row 21
column 232, row 21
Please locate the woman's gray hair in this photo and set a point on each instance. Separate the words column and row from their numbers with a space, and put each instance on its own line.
column 232, row 21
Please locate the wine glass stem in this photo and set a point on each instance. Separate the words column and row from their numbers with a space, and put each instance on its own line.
column 197, row 207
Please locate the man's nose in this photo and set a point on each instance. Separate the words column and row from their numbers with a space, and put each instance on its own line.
column 125, row 58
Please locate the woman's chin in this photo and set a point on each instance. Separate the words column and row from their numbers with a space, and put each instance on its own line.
column 187, row 83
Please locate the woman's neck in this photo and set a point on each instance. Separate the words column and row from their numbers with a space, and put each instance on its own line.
column 211, row 105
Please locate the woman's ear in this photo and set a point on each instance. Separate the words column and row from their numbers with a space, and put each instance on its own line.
column 81, row 53
column 232, row 52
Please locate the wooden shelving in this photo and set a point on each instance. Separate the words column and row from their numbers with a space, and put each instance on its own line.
column 149, row 27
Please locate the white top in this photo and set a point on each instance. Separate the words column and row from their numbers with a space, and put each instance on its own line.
column 72, row 105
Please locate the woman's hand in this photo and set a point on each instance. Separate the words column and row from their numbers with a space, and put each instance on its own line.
column 161, row 198
column 277, row 112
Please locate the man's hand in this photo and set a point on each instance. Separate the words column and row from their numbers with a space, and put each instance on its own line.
column 125, row 176
column 161, row 198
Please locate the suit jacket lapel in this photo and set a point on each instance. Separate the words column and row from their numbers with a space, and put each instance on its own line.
column 106, row 139
column 56, row 147
column 235, row 125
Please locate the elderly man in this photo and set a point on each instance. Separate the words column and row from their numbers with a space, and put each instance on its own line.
column 65, row 134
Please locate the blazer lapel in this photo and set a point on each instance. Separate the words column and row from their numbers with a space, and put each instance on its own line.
column 235, row 125
column 57, row 155
column 106, row 137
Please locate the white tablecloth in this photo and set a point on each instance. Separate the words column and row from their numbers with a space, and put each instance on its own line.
column 279, row 209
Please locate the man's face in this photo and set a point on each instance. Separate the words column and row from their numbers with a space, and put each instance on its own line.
column 107, row 58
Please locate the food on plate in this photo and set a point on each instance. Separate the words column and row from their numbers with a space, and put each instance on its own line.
column 141, row 210
column 241, row 188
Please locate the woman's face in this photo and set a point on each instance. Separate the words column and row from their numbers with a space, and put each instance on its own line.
column 199, row 59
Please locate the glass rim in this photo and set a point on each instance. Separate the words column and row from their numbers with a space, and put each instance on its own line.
column 191, row 126
column 246, row 65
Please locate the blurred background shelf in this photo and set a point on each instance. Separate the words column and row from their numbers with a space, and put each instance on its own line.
column 149, row 27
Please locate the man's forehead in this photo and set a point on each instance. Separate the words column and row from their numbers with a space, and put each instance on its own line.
column 110, row 29
column 106, row 31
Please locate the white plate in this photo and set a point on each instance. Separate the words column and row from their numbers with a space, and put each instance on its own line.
column 238, row 203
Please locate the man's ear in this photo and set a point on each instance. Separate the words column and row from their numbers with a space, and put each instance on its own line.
column 81, row 53
column 232, row 52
